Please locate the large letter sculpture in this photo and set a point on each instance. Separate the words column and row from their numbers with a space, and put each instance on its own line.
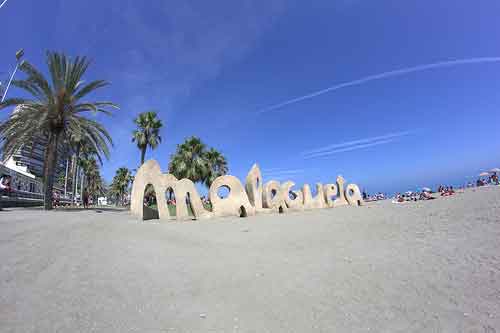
column 293, row 199
column 254, row 198
column 330, row 190
column 254, row 188
column 273, row 198
column 187, row 195
column 235, row 204
column 149, row 174
column 313, row 203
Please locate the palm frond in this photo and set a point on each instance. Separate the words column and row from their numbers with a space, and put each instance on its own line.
column 12, row 102
column 38, row 79
column 85, row 90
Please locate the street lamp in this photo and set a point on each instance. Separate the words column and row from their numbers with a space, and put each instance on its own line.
column 19, row 62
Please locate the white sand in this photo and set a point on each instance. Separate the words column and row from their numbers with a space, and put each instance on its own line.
column 418, row 267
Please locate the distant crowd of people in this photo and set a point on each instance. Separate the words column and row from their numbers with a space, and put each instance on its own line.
column 491, row 180
column 375, row 197
column 413, row 196
column 445, row 190
column 426, row 194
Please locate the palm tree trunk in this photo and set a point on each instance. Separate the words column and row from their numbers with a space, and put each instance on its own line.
column 46, row 158
column 49, row 169
column 143, row 154
column 74, row 167
column 82, row 183
column 76, row 180
column 66, row 178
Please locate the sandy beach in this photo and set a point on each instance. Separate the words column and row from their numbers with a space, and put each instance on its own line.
column 430, row 266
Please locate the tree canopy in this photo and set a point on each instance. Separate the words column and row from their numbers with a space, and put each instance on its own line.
column 195, row 161
column 55, row 109
column 147, row 133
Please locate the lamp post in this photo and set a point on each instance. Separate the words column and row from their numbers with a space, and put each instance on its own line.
column 19, row 55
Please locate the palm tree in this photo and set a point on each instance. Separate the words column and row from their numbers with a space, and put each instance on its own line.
column 96, row 188
column 192, row 160
column 55, row 111
column 89, row 166
column 85, row 151
column 76, row 142
column 94, row 184
column 120, row 184
column 147, row 132
column 217, row 165
column 189, row 160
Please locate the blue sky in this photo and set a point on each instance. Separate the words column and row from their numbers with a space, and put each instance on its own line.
column 210, row 68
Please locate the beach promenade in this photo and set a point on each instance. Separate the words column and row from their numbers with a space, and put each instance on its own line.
column 427, row 266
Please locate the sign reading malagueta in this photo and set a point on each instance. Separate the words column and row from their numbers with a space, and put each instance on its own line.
column 253, row 198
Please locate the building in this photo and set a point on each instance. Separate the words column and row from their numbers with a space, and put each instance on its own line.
column 22, row 180
column 31, row 157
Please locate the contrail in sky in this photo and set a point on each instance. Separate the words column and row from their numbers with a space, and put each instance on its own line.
column 342, row 150
column 355, row 144
column 337, row 146
column 442, row 64
column 3, row 3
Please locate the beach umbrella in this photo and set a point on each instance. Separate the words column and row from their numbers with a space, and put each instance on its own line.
column 484, row 174
column 495, row 170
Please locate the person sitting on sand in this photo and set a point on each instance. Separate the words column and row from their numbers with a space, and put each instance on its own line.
column 444, row 191
column 447, row 191
column 426, row 196
column 397, row 198
column 494, row 178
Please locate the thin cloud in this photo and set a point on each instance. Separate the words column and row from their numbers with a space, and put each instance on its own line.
column 342, row 150
column 336, row 146
column 385, row 75
column 166, row 59
column 355, row 144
